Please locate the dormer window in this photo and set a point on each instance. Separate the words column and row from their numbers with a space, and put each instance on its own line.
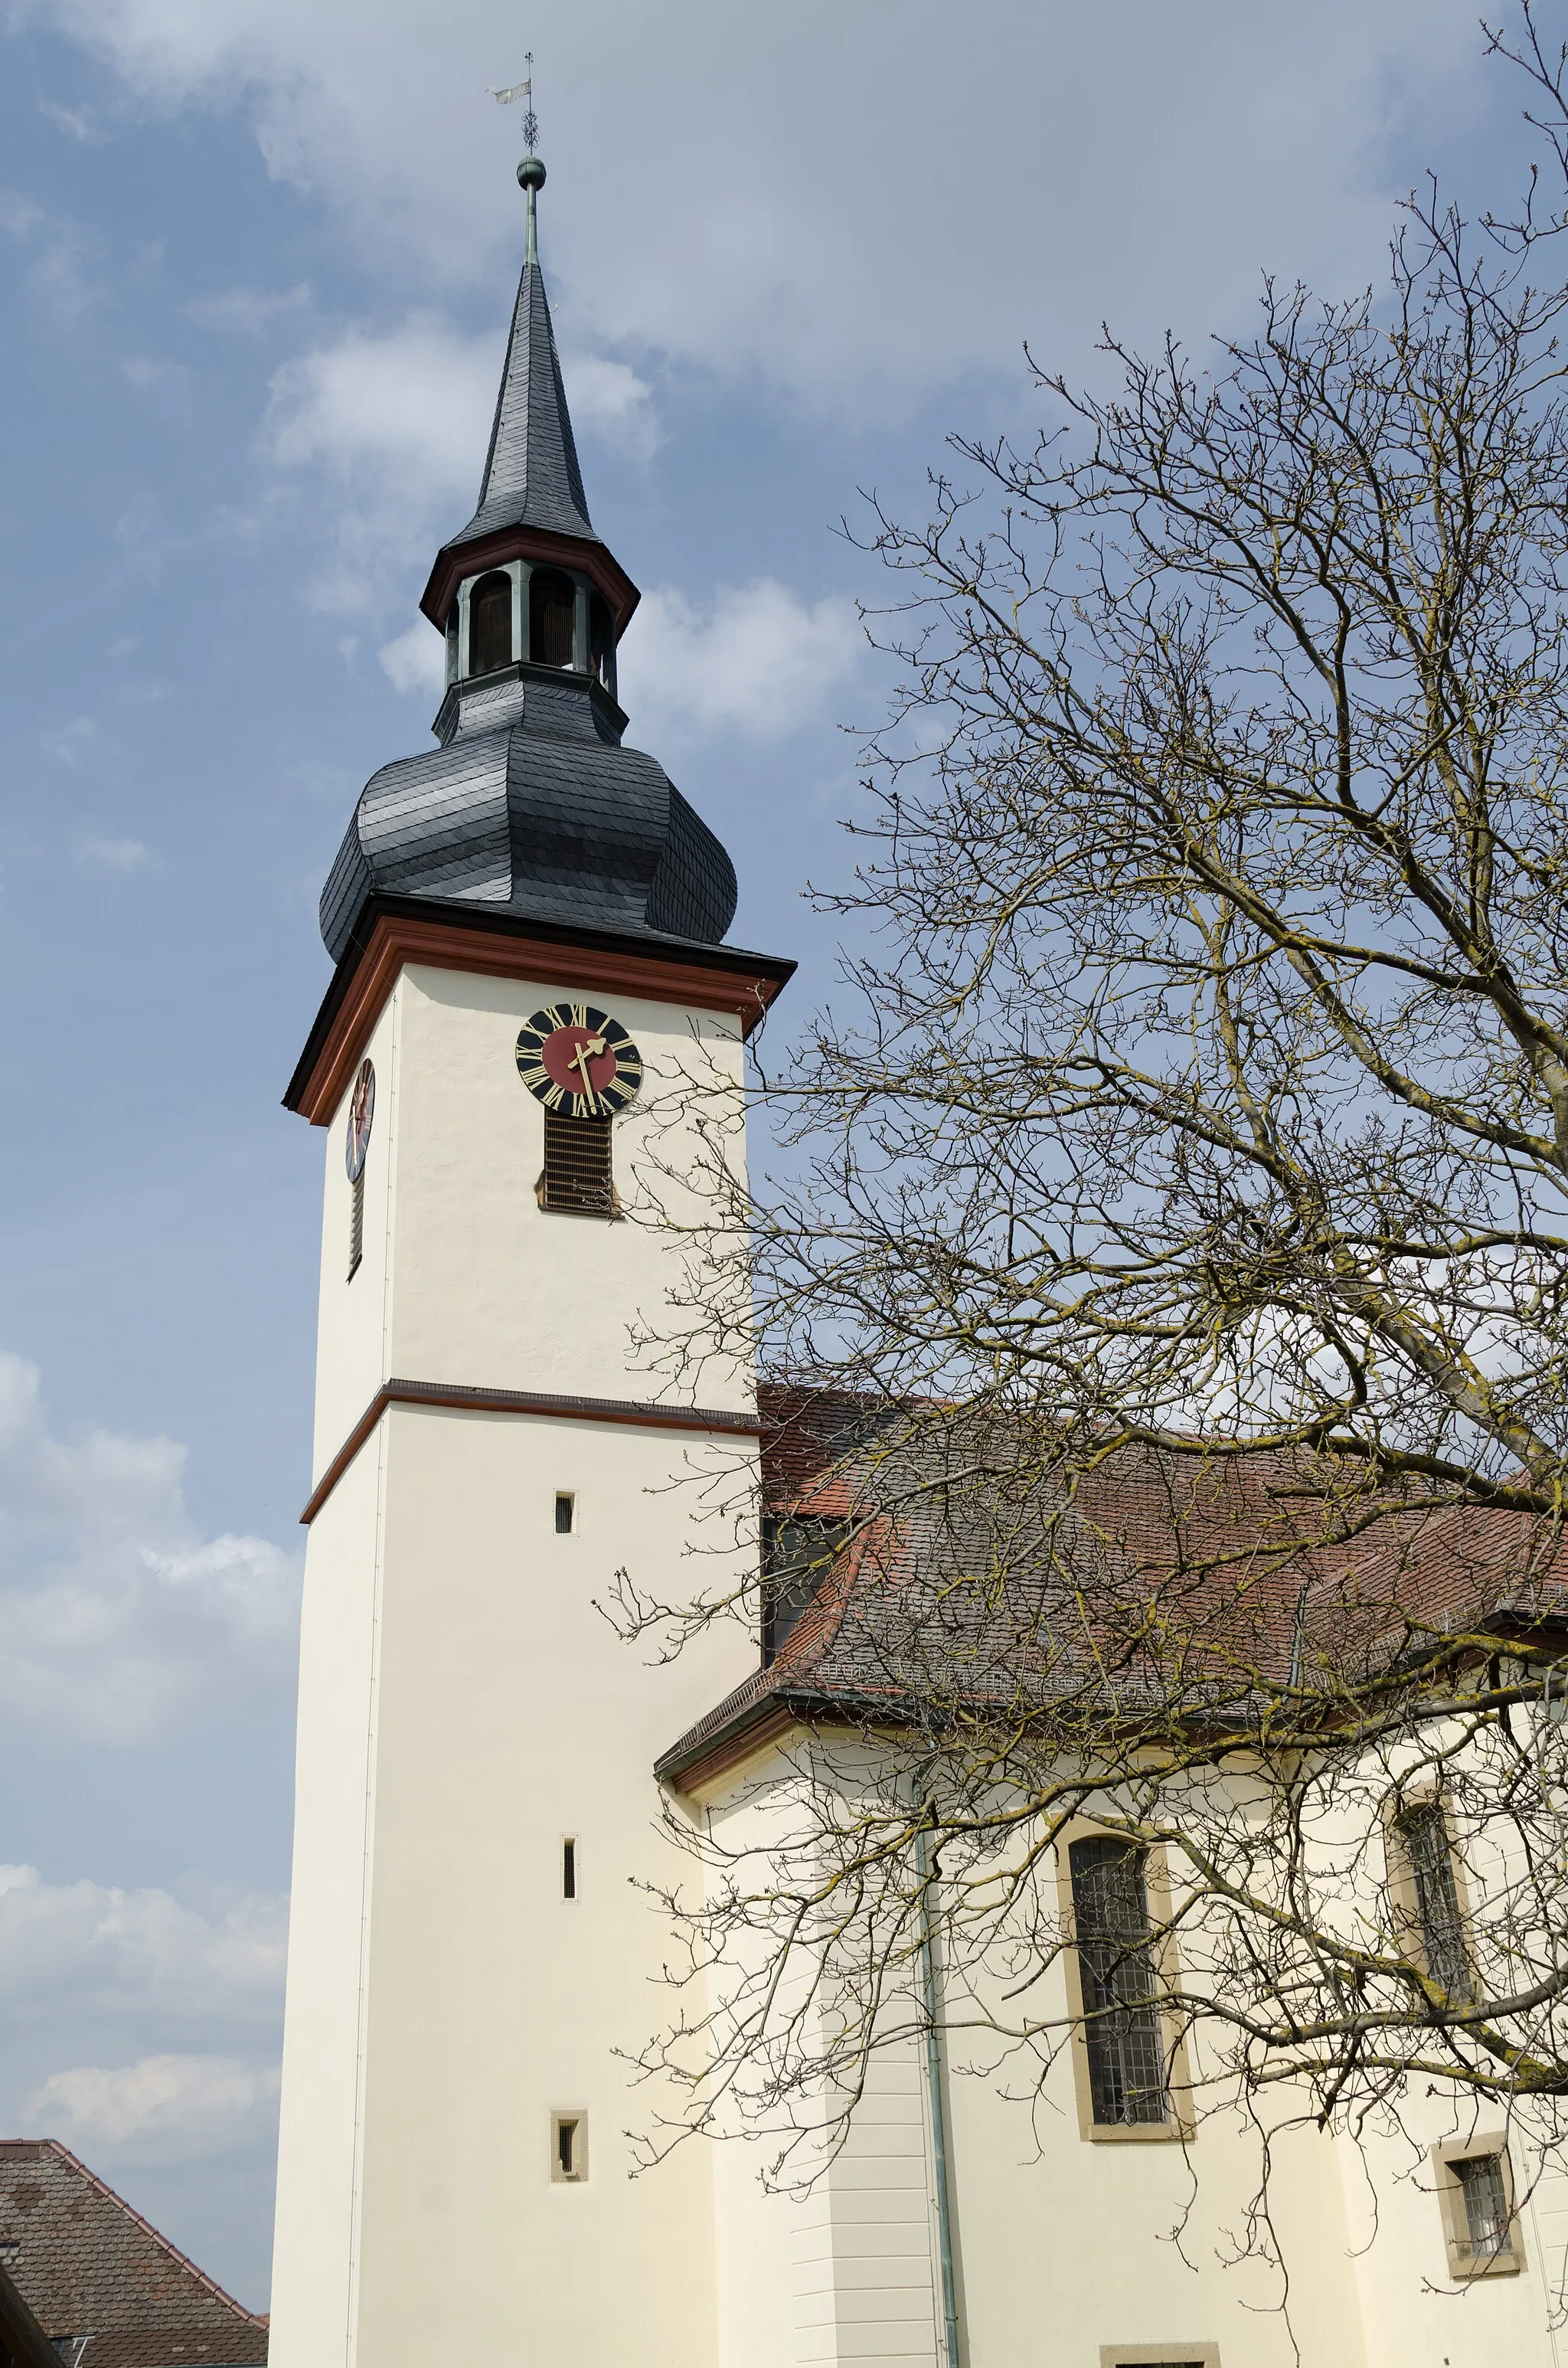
column 552, row 603
column 601, row 641
column 490, row 624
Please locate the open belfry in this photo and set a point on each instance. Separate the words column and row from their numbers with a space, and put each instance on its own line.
column 531, row 985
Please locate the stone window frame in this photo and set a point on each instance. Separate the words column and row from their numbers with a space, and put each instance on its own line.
column 1181, row 2127
column 1159, row 2355
column 1463, row 2266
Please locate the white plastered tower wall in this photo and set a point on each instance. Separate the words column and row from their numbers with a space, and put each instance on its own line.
column 464, row 1707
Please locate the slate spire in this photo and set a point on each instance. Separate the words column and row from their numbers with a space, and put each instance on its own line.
column 531, row 476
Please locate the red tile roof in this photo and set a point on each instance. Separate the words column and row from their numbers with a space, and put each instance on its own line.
column 88, row 2266
column 981, row 1569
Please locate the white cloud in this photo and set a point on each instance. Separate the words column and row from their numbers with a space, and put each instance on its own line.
column 417, row 659
column 754, row 660
column 166, row 384
column 413, row 405
column 163, row 2107
column 140, row 2027
column 59, row 252
column 610, row 399
column 118, row 1618
column 139, row 1962
column 74, row 740
column 112, row 854
column 398, row 425
column 247, row 311
column 858, row 251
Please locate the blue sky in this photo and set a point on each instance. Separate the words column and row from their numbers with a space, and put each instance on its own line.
column 256, row 259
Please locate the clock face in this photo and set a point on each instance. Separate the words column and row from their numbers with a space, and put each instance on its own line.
column 362, row 1110
column 579, row 1061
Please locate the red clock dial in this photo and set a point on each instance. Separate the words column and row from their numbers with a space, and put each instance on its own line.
column 578, row 1061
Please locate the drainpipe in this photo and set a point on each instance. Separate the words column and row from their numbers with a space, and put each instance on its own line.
column 934, row 2085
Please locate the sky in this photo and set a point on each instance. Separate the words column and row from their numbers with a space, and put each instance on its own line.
column 256, row 260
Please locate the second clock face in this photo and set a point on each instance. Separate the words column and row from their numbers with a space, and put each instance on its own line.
column 578, row 1061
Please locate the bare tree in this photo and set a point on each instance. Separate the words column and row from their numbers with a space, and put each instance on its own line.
column 1172, row 1285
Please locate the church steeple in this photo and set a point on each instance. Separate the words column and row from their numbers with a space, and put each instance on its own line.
column 531, row 476
column 531, row 805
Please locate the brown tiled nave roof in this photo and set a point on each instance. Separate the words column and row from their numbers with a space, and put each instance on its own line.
column 105, row 2286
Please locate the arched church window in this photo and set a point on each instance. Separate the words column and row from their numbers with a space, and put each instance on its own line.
column 601, row 641
column 553, row 603
column 490, row 624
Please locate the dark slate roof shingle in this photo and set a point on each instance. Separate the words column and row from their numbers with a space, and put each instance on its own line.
column 531, row 476
column 528, row 808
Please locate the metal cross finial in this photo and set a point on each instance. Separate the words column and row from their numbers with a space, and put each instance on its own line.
column 531, row 172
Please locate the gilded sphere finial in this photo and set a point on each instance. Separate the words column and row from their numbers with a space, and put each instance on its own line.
column 530, row 173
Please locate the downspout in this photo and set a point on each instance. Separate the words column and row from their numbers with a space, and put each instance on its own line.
column 934, row 2085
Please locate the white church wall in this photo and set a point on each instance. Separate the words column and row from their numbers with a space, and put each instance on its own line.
column 511, row 1715
column 351, row 1330
column 851, row 2242
column 492, row 1291
column 317, row 2238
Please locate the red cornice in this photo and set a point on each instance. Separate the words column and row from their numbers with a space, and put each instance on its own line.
column 713, row 1420
column 733, row 981
column 769, row 1724
column 461, row 559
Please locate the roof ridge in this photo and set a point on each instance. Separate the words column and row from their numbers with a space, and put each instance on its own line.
column 56, row 2145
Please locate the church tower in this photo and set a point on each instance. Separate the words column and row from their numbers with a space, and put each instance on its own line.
column 531, row 993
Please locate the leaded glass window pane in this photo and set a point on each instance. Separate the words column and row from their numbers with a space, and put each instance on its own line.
column 1121, row 2017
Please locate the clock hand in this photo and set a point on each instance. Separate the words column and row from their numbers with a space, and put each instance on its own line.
column 595, row 1044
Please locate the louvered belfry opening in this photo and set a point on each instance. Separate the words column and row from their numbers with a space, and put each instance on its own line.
column 552, row 610
column 578, row 1176
column 490, row 624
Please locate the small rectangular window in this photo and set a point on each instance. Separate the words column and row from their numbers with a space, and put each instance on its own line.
column 569, row 1868
column 578, row 1176
column 565, row 1508
column 797, row 1555
column 1475, row 2191
column 569, row 2147
column 355, row 1224
column 1423, row 1836
column 1116, row 1972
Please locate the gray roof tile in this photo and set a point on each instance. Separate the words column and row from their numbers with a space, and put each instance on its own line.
column 532, row 477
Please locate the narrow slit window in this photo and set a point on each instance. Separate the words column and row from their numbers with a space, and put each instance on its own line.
column 1116, row 1971
column 569, row 1868
column 577, row 1176
column 356, row 1224
column 1423, row 1836
column 569, row 2147
column 565, row 1508
column 490, row 624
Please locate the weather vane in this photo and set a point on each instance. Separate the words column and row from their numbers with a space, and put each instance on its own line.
column 510, row 95
column 531, row 172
